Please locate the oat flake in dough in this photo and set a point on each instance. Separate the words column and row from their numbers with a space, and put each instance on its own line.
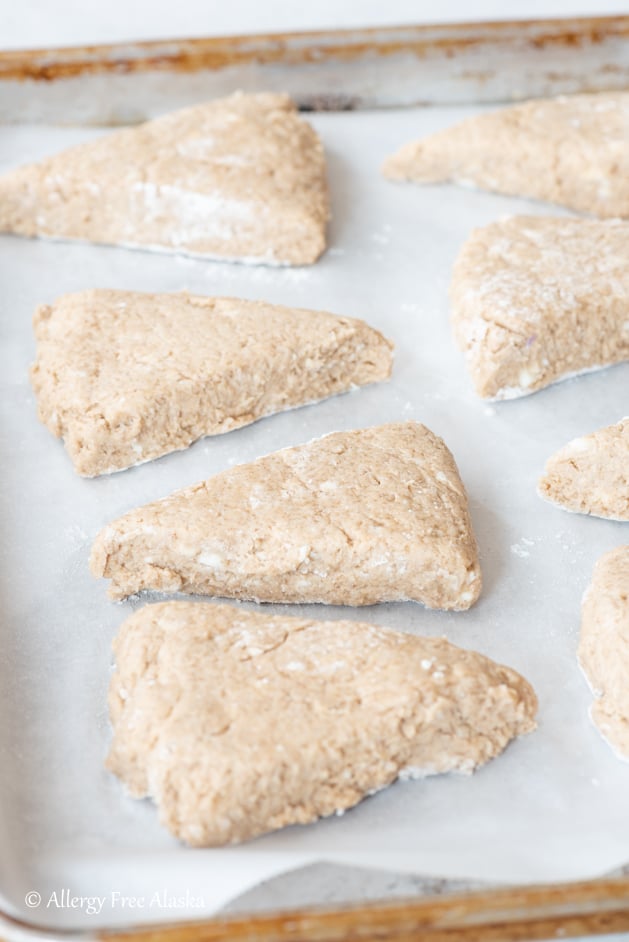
column 354, row 518
column 604, row 647
column 538, row 299
column 239, row 178
column 572, row 150
column 238, row 723
column 124, row 377
column 590, row 475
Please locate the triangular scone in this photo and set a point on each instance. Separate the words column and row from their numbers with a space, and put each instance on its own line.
column 537, row 299
column 124, row 377
column 353, row 518
column 590, row 475
column 237, row 723
column 240, row 178
column 572, row 150
column 604, row 647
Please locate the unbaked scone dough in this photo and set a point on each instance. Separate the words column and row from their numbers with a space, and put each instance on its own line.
column 590, row 475
column 237, row 723
column 240, row 178
column 354, row 518
column 537, row 299
column 572, row 150
column 124, row 377
column 604, row 647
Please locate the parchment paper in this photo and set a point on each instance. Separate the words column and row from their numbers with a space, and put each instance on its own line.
column 552, row 807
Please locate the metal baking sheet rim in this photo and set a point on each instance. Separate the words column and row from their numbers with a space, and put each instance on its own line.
column 593, row 906
column 334, row 70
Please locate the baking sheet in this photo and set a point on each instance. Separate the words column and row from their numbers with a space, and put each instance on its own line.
column 553, row 807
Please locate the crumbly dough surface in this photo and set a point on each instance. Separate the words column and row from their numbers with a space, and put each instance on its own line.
column 240, row 178
column 124, row 377
column 604, row 647
column 237, row 723
column 537, row 299
column 590, row 475
column 572, row 150
column 354, row 518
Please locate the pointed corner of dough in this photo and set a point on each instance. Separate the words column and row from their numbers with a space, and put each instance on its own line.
column 98, row 555
column 393, row 168
column 19, row 193
column 415, row 163
column 305, row 240
column 590, row 474
column 470, row 593
column 542, row 487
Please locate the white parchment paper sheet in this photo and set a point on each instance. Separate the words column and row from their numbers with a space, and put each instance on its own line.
column 552, row 807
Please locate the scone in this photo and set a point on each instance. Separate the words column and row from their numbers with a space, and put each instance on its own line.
column 572, row 150
column 124, row 377
column 590, row 475
column 604, row 647
column 238, row 723
column 239, row 178
column 374, row 515
column 537, row 299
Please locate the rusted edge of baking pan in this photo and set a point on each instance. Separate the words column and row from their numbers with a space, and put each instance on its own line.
column 329, row 70
column 567, row 910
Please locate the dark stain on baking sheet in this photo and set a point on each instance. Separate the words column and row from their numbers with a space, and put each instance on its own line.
column 309, row 49
column 332, row 102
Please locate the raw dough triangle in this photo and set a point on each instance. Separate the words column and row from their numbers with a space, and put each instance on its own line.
column 604, row 647
column 571, row 150
column 537, row 299
column 124, row 377
column 238, row 723
column 590, row 475
column 353, row 518
column 240, row 178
